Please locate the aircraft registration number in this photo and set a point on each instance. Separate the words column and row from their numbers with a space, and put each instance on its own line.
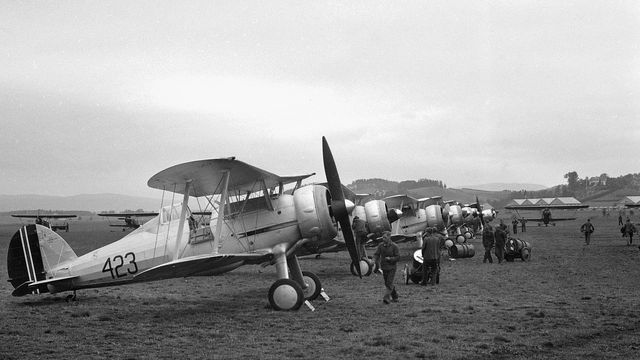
column 120, row 266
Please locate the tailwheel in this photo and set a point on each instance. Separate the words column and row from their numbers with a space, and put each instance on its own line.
column 285, row 294
column 525, row 254
column 366, row 266
column 71, row 297
column 313, row 285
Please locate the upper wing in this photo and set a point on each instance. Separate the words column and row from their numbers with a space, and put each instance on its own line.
column 397, row 201
column 201, row 265
column 43, row 216
column 129, row 214
column 206, row 177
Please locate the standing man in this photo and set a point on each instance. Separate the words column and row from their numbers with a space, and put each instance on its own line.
column 514, row 222
column 386, row 256
column 500, row 236
column 620, row 219
column 488, row 241
column 523, row 221
column 628, row 230
column 432, row 242
column 359, row 228
column 587, row 228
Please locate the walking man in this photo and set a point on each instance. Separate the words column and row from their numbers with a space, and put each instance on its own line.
column 628, row 230
column 487, row 241
column 500, row 236
column 385, row 258
column 432, row 243
column 587, row 228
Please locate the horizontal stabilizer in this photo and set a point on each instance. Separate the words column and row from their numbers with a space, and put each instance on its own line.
column 59, row 284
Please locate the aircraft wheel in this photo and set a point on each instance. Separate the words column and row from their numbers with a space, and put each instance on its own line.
column 285, row 294
column 313, row 285
column 526, row 254
column 365, row 268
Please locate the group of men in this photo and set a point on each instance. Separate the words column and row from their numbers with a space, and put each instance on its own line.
column 494, row 239
column 387, row 255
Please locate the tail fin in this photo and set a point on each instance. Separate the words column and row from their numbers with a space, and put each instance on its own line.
column 34, row 251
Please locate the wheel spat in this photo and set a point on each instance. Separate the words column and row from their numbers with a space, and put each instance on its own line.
column 338, row 207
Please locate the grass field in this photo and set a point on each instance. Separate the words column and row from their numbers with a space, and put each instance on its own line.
column 568, row 302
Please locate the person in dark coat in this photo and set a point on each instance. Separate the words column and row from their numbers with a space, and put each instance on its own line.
column 432, row 242
column 500, row 239
column 523, row 221
column 359, row 228
column 385, row 258
column 488, row 241
column 514, row 224
column 628, row 230
column 587, row 229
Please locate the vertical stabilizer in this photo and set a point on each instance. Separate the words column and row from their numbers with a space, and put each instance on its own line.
column 34, row 251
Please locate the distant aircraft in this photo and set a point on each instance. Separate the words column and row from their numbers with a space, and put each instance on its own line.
column 250, row 225
column 546, row 216
column 41, row 220
column 131, row 220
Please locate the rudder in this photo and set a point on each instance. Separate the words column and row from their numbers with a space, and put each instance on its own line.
column 33, row 251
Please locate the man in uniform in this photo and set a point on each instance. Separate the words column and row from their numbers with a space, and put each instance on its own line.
column 487, row 241
column 360, row 230
column 628, row 230
column 385, row 258
column 432, row 242
column 587, row 228
column 501, row 238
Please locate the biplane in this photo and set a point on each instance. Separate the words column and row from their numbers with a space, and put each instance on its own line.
column 414, row 216
column 131, row 220
column 545, row 217
column 42, row 220
column 252, row 222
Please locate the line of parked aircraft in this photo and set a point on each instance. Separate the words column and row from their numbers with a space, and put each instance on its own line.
column 252, row 220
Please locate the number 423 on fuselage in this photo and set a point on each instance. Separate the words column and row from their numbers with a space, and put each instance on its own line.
column 253, row 221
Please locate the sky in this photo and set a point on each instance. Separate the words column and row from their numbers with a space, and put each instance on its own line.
column 98, row 96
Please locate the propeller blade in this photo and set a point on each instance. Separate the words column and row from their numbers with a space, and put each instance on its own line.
column 480, row 211
column 338, row 205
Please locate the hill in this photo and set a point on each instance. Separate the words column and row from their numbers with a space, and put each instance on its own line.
column 85, row 202
column 505, row 186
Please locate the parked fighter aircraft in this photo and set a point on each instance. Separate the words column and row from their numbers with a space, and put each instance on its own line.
column 249, row 225
column 131, row 220
column 545, row 217
column 414, row 215
column 41, row 220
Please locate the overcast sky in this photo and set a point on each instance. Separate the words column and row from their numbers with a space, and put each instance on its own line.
column 98, row 96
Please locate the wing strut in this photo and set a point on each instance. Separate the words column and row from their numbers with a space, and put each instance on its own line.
column 223, row 203
column 183, row 215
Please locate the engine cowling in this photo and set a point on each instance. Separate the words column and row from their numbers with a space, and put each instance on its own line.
column 455, row 215
column 312, row 212
column 434, row 216
column 489, row 214
column 377, row 219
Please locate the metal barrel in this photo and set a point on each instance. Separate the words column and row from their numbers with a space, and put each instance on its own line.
column 459, row 251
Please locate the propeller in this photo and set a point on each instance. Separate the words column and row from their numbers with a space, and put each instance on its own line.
column 338, row 204
column 479, row 211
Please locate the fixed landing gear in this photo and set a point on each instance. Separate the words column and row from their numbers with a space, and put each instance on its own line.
column 290, row 293
column 366, row 266
column 313, row 285
column 286, row 294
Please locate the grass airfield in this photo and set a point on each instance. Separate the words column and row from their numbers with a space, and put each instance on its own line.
column 568, row 302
